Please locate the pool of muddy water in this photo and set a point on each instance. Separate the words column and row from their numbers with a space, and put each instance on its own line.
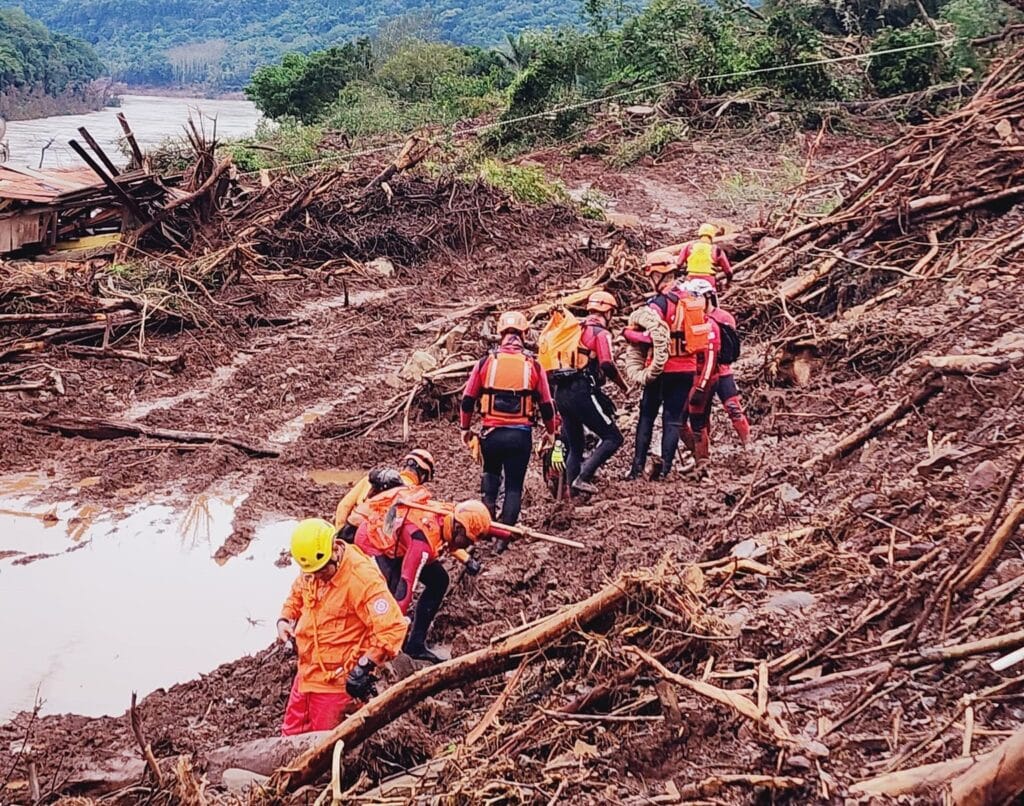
column 116, row 602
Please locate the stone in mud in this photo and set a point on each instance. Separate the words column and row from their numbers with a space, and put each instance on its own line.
column 791, row 600
column 984, row 477
column 382, row 266
column 418, row 364
column 864, row 503
column 789, row 493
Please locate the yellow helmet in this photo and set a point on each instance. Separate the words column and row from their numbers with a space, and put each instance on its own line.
column 707, row 231
column 512, row 320
column 312, row 544
column 474, row 517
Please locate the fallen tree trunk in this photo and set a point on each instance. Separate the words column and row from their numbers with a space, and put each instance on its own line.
column 907, row 782
column 99, row 428
column 848, row 444
column 1007, row 529
column 172, row 362
column 486, row 662
column 995, row 779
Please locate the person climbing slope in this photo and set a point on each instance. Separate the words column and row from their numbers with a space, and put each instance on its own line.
column 417, row 468
column 577, row 379
column 407, row 542
column 690, row 340
column 702, row 259
column 344, row 623
column 509, row 388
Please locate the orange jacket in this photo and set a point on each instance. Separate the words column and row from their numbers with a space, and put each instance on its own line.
column 360, row 492
column 340, row 621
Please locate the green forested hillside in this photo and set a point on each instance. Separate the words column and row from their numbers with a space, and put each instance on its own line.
column 221, row 42
column 35, row 64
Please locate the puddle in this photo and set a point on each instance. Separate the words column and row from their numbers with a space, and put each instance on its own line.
column 355, row 300
column 128, row 603
column 23, row 483
column 217, row 380
column 340, row 478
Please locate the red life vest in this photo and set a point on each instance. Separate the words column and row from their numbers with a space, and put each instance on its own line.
column 507, row 386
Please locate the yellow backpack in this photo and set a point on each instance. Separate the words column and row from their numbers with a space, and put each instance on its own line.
column 558, row 346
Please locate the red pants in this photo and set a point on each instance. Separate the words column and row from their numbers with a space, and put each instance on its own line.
column 314, row 711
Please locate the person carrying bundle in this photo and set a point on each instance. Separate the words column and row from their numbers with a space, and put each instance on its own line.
column 417, row 469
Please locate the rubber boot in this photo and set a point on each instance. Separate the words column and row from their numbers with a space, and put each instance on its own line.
column 734, row 408
column 435, row 584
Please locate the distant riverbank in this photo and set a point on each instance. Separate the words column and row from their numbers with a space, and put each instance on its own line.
column 31, row 105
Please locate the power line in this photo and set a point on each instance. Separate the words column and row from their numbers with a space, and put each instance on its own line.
column 616, row 96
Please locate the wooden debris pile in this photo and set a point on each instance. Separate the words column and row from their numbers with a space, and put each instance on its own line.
column 941, row 200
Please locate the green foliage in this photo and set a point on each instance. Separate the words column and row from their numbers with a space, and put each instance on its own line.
column 971, row 19
column 303, row 85
column 34, row 60
column 135, row 37
column 649, row 143
column 910, row 71
column 417, row 69
column 287, row 143
column 526, row 184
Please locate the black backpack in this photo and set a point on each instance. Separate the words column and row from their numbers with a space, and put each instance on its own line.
column 729, row 352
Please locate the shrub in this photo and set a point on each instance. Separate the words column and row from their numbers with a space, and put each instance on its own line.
column 910, row 71
column 650, row 143
column 523, row 183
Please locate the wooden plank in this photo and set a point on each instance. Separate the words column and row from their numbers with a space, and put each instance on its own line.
column 99, row 151
column 133, row 144
column 112, row 186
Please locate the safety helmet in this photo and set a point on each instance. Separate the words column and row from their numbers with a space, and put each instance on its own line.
column 660, row 263
column 312, row 544
column 474, row 517
column 512, row 320
column 601, row 302
column 421, row 459
column 702, row 288
column 707, row 231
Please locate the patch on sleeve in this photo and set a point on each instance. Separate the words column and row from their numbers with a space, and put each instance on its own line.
column 380, row 606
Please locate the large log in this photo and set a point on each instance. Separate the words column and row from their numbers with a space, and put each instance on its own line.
column 491, row 660
column 100, row 428
column 995, row 779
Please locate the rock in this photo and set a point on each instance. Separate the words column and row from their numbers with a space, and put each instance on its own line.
column 291, row 372
column 382, row 266
column 984, row 477
column 1009, row 569
column 624, row 220
column 815, row 749
column 417, row 365
column 738, row 619
column 865, row 502
column 791, row 600
column 799, row 763
column 239, row 782
column 789, row 493
column 639, row 110
column 748, row 549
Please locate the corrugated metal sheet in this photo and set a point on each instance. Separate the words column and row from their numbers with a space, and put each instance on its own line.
column 44, row 187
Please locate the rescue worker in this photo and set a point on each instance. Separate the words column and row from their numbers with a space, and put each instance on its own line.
column 701, row 259
column 344, row 623
column 580, row 401
column 407, row 545
column 696, row 433
column 726, row 390
column 417, row 468
column 691, row 341
column 510, row 387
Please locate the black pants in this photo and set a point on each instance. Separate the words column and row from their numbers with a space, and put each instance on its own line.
column 435, row 585
column 506, row 452
column 668, row 392
column 584, row 406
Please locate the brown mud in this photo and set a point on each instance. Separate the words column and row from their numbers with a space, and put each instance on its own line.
column 844, row 539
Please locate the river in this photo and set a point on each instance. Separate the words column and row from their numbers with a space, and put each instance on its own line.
column 153, row 118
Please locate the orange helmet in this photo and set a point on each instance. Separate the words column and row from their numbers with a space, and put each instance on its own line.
column 474, row 517
column 601, row 302
column 660, row 263
column 512, row 320
column 420, row 459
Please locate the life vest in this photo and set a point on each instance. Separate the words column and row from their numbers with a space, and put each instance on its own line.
column 507, row 388
column 559, row 346
column 375, row 511
column 701, row 261
column 689, row 330
column 435, row 521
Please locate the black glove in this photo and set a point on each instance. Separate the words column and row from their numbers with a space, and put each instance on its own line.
column 384, row 479
column 473, row 567
column 500, row 546
column 698, row 398
column 360, row 683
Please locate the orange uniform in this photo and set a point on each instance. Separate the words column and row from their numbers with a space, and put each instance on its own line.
column 339, row 621
column 361, row 490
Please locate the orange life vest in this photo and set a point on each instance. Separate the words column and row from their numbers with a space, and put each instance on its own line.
column 376, row 511
column 690, row 329
column 507, row 388
column 701, row 261
column 435, row 520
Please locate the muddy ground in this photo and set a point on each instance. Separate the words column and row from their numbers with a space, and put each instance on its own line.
column 844, row 538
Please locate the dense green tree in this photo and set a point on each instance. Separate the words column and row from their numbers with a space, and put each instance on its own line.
column 34, row 60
